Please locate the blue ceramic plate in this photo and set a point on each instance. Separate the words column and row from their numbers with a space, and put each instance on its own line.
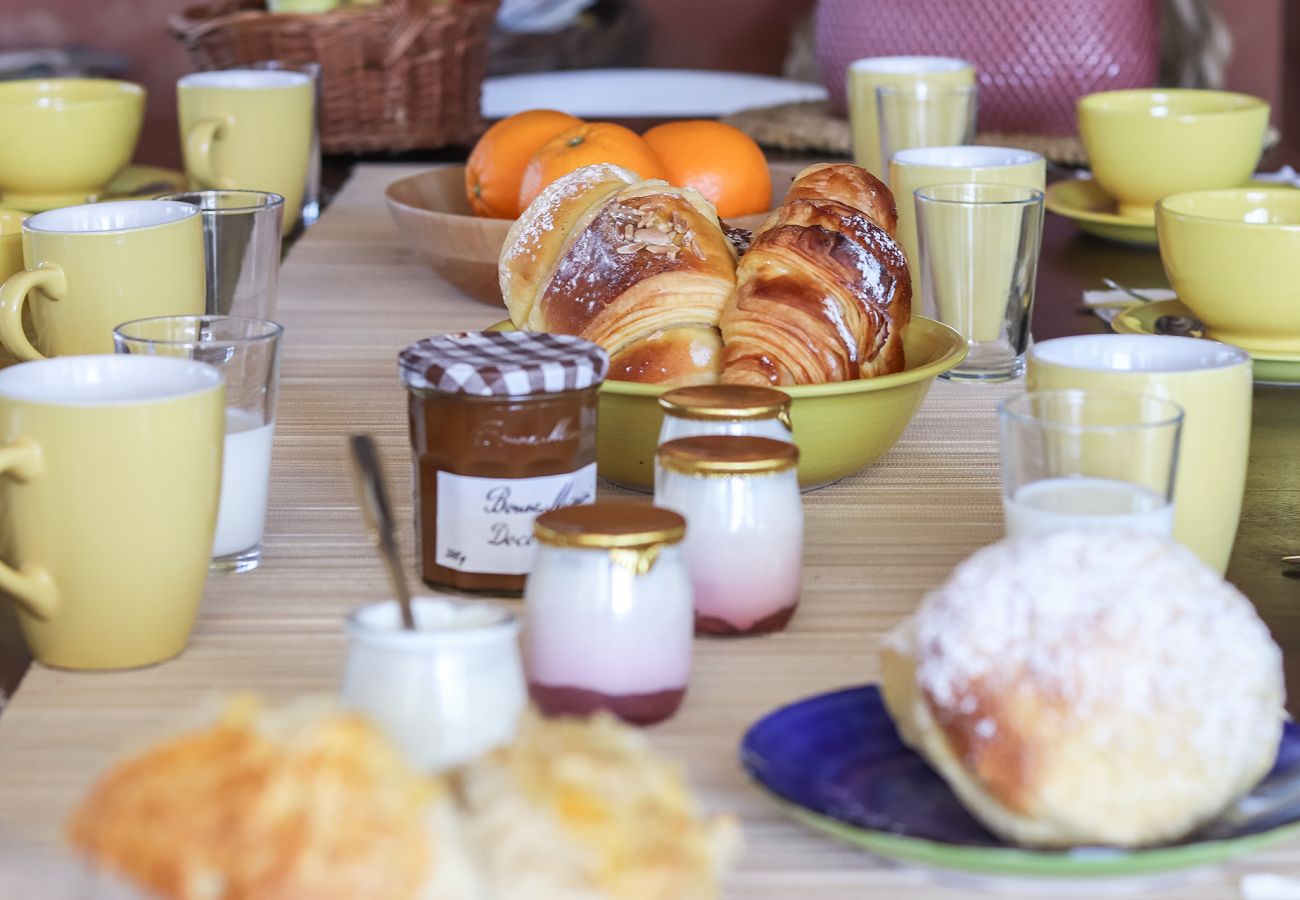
column 835, row 762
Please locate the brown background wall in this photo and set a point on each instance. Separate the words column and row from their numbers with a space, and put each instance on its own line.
column 744, row 35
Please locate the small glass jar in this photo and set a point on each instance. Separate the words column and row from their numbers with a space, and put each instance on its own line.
column 725, row 409
column 744, row 549
column 444, row 693
column 609, row 612
column 503, row 426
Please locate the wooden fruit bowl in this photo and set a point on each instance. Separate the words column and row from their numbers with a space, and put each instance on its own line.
column 434, row 217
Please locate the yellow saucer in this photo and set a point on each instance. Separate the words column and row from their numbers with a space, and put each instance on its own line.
column 1095, row 212
column 1269, row 367
column 132, row 183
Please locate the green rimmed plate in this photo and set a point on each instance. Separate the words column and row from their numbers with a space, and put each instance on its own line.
column 1268, row 368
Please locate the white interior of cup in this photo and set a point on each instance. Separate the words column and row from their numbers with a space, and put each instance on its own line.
column 245, row 79
column 1138, row 353
column 966, row 157
column 439, row 622
column 106, row 380
column 122, row 215
column 909, row 65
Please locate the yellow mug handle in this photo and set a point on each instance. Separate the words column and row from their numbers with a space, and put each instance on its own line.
column 13, row 296
column 198, row 154
column 31, row 586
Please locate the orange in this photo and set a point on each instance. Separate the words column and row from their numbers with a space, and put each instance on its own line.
column 721, row 162
column 496, row 165
column 586, row 145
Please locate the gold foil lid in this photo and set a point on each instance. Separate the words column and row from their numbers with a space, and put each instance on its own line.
column 609, row 526
column 720, row 454
column 727, row 403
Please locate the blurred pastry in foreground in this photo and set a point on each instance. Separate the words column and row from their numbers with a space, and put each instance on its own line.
column 1088, row 687
column 296, row 803
column 639, row 267
column 585, row 809
column 823, row 293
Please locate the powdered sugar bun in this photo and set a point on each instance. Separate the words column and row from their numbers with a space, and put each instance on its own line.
column 1088, row 687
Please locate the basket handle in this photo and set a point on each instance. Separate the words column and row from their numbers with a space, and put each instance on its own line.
column 410, row 17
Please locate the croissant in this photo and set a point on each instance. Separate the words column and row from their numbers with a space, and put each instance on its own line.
column 640, row 268
column 824, row 293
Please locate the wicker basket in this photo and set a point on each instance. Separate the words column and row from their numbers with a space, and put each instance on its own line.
column 403, row 75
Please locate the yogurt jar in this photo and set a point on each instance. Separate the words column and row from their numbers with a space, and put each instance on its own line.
column 609, row 612
column 444, row 693
column 725, row 409
column 744, row 548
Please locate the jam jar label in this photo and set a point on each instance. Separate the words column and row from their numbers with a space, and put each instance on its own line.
column 486, row 524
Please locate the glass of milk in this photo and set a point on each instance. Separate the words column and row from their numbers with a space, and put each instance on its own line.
column 247, row 352
column 1103, row 459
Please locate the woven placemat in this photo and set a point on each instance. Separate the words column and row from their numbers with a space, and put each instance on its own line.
column 810, row 127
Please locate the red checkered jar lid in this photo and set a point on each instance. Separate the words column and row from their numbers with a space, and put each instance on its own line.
column 502, row 363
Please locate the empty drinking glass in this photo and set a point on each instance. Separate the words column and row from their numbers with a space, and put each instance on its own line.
column 247, row 352
column 1102, row 459
column 979, row 261
column 241, row 237
column 924, row 115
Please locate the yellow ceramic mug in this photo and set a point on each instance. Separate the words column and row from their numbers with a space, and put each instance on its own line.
column 1210, row 381
column 249, row 129
column 110, row 469
column 927, row 166
column 92, row 267
column 865, row 75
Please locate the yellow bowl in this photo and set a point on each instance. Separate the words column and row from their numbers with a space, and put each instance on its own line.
column 840, row 427
column 65, row 138
column 11, row 241
column 1233, row 257
column 431, row 211
column 1145, row 144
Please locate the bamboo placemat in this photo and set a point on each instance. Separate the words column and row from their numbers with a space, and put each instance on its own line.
column 351, row 297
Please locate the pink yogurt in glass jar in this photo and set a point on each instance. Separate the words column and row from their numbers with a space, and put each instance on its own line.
column 744, row 547
column 609, row 612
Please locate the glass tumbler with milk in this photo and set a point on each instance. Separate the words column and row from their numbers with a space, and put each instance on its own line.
column 1100, row 459
column 247, row 352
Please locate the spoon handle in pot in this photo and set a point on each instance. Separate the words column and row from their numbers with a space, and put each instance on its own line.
column 368, row 476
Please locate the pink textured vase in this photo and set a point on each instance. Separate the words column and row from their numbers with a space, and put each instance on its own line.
column 1034, row 58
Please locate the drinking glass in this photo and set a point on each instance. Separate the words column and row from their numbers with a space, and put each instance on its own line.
column 979, row 261
column 241, row 241
column 311, row 192
column 1099, row 459
column 924, row 115
column 247, row 353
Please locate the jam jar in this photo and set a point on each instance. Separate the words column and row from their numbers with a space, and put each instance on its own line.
column 503, row 427
column 609, row 612
column 744, row 549
column 725, row 409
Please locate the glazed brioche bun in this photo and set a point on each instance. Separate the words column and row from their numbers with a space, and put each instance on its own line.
column 1088, row 687
column 585, row 810
column 300, row 802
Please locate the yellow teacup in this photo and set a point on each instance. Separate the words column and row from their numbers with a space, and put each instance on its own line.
column 92, row 267
column 249, row 129
column 1233, row 256
column 65, row 138
column 111, row 469
column 865, row 75
column 925, row 167
column 1210, row 381
column 1146, row 144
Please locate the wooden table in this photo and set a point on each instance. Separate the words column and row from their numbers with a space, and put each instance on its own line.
column 351, row 297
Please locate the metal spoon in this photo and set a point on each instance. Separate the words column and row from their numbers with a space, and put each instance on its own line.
column 368, row 477
column 1291, row 560
column 1123, row 289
